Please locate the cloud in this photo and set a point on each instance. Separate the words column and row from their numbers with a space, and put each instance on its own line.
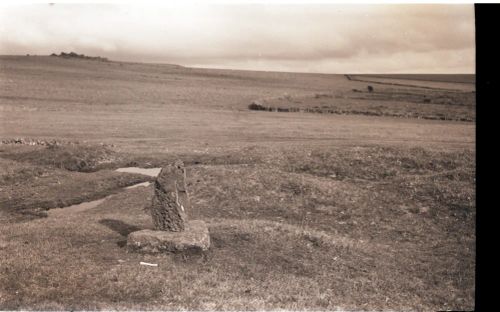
column 324, row 38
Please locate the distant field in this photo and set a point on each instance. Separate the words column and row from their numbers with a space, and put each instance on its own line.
column 461, row 83
column 459, row 78
column 383, row 100
column 349, row 200
column 145, row 106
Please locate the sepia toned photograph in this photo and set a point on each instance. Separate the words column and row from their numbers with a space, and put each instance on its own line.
column 237, row 156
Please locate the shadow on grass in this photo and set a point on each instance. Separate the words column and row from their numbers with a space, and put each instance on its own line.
column 120, row 227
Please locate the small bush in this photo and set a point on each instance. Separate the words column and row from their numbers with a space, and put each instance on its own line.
column 256, row 106
column 80, row 56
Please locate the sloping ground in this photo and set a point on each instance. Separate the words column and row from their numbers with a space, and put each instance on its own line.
column 309, row 228
column 305, row 212
column 440, row 82
column 381, row 101
column 163, row 107
column 454, row 78
column 72, row 157
column 34, row 179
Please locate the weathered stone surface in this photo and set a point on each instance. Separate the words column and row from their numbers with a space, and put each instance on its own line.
column 195, row 237
column 171, row 199
column 169, row 206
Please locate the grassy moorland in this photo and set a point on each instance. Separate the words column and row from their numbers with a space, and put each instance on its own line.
column 381, row 101
column 460, row 78
column 305, row 211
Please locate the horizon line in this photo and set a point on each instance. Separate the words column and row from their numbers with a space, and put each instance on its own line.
column 236, row 69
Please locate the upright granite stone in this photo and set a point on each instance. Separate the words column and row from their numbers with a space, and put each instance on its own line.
column 171, row 199
column 172, row 231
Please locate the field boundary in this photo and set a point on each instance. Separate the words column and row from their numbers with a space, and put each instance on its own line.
column 350, row 77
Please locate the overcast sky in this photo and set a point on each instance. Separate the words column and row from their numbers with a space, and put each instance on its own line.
column 328, row 38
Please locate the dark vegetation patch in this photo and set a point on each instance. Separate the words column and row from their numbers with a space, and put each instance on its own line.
column 380, row 101
column 73, row 55
column 257, row 106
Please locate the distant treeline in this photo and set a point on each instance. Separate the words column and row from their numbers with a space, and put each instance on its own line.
column 80, row 56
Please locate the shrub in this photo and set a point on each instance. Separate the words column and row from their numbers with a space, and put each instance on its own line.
column 256, row 106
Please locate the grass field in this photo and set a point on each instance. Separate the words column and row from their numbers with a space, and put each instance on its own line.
column 381, row 101
column 305, row 210
column 459, row 78
column 463, row 83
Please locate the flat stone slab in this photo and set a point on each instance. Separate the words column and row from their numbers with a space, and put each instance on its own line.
column 195, row 237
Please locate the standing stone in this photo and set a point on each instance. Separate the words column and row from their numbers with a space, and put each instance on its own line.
column 172, row 232
column 170, row 201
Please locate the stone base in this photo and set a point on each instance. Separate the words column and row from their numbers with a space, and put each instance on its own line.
column 195, row 237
